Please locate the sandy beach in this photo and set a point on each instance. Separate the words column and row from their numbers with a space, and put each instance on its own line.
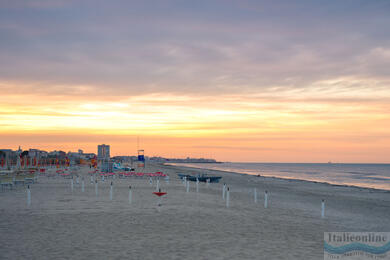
column 61, row 224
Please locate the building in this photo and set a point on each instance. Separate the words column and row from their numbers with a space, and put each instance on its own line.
column 88, row 156
column 106, row 166
column 56, row 153
column 103, row 152
column 36, row 153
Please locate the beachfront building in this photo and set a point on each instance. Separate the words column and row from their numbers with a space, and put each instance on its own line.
column 88, row 156
column 103, row 152
column 36, row 153
column 57, row 154
column 5, row 157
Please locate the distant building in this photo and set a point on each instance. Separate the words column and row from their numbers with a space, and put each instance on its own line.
column 6, row 151
column 56, row 153
column 73, row 155
column 37, row 153
column 106, row 166
column 81, row 155
column 103, row 152
column 88, row 155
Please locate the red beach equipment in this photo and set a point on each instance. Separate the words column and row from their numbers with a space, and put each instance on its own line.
column 159, row 193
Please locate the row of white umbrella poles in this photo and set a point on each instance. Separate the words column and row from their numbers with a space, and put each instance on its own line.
column 226, row 197
column 186, row 184
column 226, row 194
column 111, row 191
column 83, row 190
column 112, row 187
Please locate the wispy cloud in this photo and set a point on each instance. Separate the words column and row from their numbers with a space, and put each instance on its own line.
column 180, row 47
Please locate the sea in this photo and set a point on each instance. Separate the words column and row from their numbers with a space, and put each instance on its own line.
column 375, row 176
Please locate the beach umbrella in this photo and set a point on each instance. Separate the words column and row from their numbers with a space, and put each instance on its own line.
column 7, row 164
column 18, row 163
column 159, row 194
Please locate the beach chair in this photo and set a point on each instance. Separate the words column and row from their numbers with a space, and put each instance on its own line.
column 6, row 181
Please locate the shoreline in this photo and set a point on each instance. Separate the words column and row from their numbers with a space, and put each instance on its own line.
column 370, row 189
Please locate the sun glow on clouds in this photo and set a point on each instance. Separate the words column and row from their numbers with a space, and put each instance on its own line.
column 261, row 125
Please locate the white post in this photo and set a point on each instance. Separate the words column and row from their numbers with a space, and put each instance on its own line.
column 228, row 197
column 82, row 185
column 197, row 185
column 28, row 196
column 157, row 184
column 208, row 182
column 185, row 181
column 223, row 191
column 96, row 188
column 91, row 179
column 130, row 195
column 71, row 185
column 188, row 186
column 77, row 180
column 102, row 177
column 266, row 199
column 323, row 209
column 255, row 195
column 111, row 191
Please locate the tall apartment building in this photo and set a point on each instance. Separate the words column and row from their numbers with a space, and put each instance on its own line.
column 103, row 152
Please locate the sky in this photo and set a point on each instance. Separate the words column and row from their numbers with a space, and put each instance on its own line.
column 248, row 81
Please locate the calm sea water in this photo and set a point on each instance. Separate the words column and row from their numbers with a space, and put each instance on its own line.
column 362, row 175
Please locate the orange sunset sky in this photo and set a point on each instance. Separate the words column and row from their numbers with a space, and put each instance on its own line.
column 235, row 81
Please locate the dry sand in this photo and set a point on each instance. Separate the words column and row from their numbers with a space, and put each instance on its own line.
column 65, row 225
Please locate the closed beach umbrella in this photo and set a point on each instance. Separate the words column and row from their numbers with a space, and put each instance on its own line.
column 18, row 164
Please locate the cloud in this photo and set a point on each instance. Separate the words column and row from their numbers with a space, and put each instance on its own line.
column 140, row 47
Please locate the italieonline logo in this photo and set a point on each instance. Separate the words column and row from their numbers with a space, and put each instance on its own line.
column 356, row 245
